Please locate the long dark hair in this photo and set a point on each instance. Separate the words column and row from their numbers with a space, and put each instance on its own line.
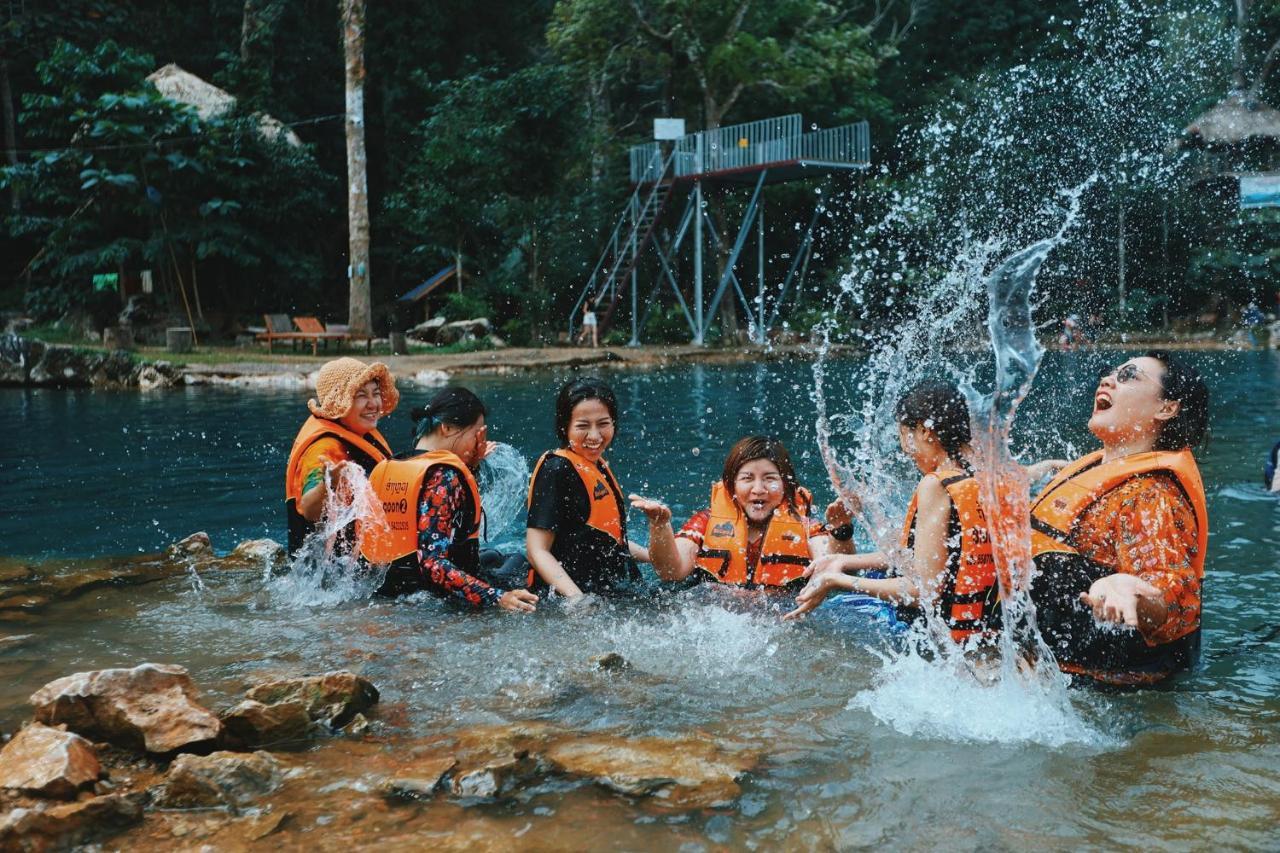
column 453, row 405
column 755, row 447
column 939, row 407
column 1182, row 382
column 576, row 391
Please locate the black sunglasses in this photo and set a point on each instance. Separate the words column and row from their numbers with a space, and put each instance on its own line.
column 1124, row 373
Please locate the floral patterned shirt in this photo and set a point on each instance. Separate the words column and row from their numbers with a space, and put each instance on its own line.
column 1147, row 527
column 441, row 522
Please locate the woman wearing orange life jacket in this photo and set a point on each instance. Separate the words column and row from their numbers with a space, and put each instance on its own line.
column 577, row 528
column 351, row 397
column 758, row 531
column 430, row 538
column 1119, row 536
column 945, row 532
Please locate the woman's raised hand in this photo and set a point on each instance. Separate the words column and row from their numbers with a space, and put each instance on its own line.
column 813, row 594
column 825, row 564
column 657, row 512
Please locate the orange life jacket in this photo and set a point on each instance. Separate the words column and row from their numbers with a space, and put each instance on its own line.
column 1056, row 511
column 967, row 593
column 365, row 450
column 398, row 485
column 784, row 552
column 603, row 492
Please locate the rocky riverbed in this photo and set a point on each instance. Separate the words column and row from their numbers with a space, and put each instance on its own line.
column 137, row 756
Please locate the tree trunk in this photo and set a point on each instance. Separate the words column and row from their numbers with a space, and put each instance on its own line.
column 360, row 311
column 10, row 131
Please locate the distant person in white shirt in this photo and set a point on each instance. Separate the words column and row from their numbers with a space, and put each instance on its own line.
column 589, row 327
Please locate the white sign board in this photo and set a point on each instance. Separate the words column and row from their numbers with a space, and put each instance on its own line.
column 668, row 128
column 1257, row 191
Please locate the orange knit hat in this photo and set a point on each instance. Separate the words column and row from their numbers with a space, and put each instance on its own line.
column 340, row 379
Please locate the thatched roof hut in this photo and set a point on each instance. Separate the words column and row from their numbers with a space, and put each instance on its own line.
column 209, row 101
column 1235, row 120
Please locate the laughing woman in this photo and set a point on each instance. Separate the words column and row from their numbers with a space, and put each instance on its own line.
column 758, row 531
column 1119, row 536
column 577, row 529
column 351, row 397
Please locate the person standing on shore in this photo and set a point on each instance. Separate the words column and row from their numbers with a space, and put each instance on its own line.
column 351, row 397
column 590, row 329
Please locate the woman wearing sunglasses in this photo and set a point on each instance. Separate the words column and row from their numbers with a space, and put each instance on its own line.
column 1119, row 536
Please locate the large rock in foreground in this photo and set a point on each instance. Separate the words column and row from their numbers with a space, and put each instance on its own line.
column 48, row 762
column 67, row 825
column 152, row 707
column 683, row 771
column 333, row 698
column 234, row 779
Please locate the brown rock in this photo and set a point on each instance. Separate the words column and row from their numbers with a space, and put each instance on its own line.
column 494, row 777
column 611, row 662
column 233, row 779
column 195, row 545
column 152, row 706
column 49, row 762
column 682, row 771
column 335, row 697
column 420, row 779
column 256, row 724
column 257, row 553
column 69, row 824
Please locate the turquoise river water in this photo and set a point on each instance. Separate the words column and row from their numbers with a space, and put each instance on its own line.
column 860, row 747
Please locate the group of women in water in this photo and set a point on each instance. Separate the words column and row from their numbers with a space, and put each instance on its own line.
column 1118, row 536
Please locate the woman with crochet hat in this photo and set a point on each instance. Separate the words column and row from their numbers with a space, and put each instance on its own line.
column 351, row 397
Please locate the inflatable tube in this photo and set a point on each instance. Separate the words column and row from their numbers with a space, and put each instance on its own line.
column 856, row 610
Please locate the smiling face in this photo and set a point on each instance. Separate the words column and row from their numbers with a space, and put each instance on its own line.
column 1129, row 406
column 366, row 409
column 758, row 489
column 590, row 429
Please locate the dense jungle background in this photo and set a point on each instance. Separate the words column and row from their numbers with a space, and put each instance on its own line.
column 497, row 139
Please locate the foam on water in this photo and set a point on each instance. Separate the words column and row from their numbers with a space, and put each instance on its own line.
column 944, row 700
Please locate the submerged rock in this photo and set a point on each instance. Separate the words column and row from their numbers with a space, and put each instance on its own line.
column 152, row 706
column 256, row 724
column 233, row 779
column 48, row 762
column 611, row 662
column 419, row 779
column 67, row 825
column 333, row 698
column 497, row 776
column 196, row 545
column 683, row 771
column 257, row 553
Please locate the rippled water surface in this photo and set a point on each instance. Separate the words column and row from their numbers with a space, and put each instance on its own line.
column 859, row 747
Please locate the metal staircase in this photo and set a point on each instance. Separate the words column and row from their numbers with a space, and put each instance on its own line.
column 630, row 236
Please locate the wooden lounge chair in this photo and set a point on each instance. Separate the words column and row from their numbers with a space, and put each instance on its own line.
column 279, row 329
column 332, row 332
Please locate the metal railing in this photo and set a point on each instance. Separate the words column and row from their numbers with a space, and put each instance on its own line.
column 755, row 143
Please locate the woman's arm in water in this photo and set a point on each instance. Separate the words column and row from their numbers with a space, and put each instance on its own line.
column 672, row 558
column 929, row 560
column 639, row 553
column 537, row 545
column 311, row 506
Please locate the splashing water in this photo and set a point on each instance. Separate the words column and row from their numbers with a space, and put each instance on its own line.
column 327, row 571
column 1041, row 149
column 504, row 478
